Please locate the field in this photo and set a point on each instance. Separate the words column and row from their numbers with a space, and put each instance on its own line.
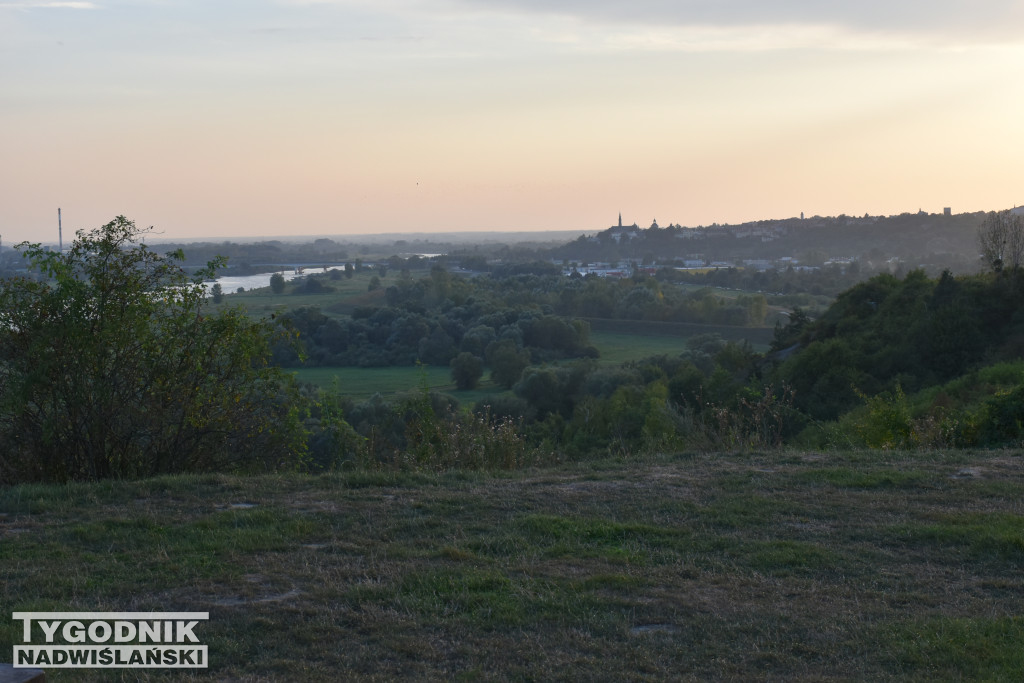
column 349, row 292
column 802, row 565
column 619, row 341
column 622, row 340
column 615, row 347
column 365, row 382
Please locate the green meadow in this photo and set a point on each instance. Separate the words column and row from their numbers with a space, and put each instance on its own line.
column 618, row 341
column 615, row 348
column 748, row 566
column 348, row 293
column 364, row 382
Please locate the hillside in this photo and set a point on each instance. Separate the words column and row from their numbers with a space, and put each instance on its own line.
column 793, row 565
column 921, row 238
column 888, row 334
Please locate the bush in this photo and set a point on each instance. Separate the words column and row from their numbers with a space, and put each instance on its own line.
column 114, row 365
column 443, row 440
column 507, row 362
column 1003, row 419
column 888, row 423
column 466, row 370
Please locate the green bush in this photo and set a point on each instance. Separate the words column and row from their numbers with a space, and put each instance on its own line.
column 887, row 424
column 114, row 364
column 441, row 440
column 467, row 370
column 1002, row 420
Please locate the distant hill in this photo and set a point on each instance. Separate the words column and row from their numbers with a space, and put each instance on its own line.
column 912, row 238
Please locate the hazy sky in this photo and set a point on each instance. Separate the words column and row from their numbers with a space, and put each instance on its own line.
column 270, row 117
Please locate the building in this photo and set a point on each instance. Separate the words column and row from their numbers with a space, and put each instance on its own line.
column 622, row 228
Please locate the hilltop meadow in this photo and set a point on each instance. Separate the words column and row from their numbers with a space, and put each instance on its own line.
column 410, row 470
column 864, row 565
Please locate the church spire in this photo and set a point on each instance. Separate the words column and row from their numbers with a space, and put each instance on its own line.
column 620, row 219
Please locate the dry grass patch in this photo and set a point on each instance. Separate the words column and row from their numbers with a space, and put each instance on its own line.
column 793, row 565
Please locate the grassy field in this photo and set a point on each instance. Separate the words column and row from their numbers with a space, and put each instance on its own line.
column 365, row 382
column 348, row 293
column 813, row 566
column 620, row 347
column 759, row 337
column 615, row 347
column 618, row 340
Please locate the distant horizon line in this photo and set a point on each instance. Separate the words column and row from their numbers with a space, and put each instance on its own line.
column 464, row 235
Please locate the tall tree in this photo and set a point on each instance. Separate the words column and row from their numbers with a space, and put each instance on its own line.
column 277, row 283
column 507, row 362
column 1001, row 239
column 466, row 370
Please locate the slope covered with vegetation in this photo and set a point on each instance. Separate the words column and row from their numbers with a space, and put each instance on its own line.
column 916, row 332
column 415, row 537
column 115, row 364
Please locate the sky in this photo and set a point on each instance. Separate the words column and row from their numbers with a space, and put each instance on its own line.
column 227, row 119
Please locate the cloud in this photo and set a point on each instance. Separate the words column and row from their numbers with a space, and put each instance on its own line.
column 965, row 21
column 30, row 4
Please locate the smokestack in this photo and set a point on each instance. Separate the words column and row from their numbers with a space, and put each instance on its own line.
column 60, row 233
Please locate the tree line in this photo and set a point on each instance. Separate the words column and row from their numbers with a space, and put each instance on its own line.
column 436, row 318
column 114, row 364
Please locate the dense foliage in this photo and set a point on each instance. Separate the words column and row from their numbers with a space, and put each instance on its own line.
column 500, row 320
column 112, row 365
column 915, row 332
column 894, row 363
column 395, row 336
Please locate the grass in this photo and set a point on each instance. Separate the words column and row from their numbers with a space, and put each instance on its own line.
column 760, row 338
column 975, row 648
column 365, row 382
column 801, row 565
column 615, row 347
column 348, row 293
column 619, row 341
column 620, row 347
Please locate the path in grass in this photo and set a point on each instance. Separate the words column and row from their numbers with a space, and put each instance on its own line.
column 856, row 566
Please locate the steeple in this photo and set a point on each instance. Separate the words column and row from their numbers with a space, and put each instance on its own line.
column 620, row 219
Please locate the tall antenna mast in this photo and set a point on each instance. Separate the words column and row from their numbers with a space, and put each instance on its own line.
column 60, row 233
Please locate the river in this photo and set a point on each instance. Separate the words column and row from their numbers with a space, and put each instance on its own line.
column 230, row 283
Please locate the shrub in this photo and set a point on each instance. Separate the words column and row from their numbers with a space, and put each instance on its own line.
column 887, row 424
column 112, row 364
column 466, row 370
column 1003, row 419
